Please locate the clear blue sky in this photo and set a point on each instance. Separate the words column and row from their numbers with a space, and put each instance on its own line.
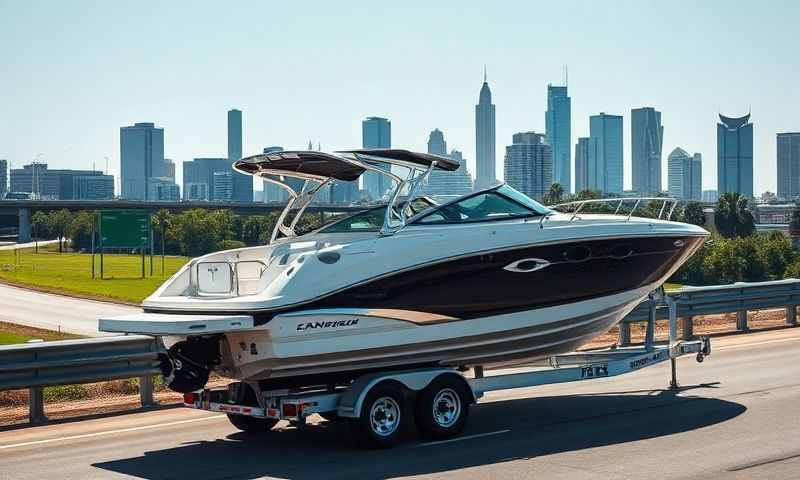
column 74, row 72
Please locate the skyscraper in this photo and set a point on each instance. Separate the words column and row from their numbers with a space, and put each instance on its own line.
column 684, row 175
column 557, row 121
column 679, row 168
column 582, row 164
column 697, row 177
column 788, row 165
column 376, row 132
column 436, row 143
column 529, row 164
column 141, row 158
column 647, row 136
column 169, row 169
column 441, row 183
column 735, row 155
column 199, row 179
column 242, row 184
column 485, row 174
column 605, row 153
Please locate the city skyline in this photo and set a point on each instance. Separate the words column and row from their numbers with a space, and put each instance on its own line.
column 70, row 119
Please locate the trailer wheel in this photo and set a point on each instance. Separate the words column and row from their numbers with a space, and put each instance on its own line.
column 382, row 417
column 443, row 408
column 251, row 424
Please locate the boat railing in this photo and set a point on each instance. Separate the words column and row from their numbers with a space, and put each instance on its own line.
column 665, row 206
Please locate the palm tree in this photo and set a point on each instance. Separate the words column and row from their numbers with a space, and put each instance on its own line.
column 732, row 217
column 161, row 221
column 554, row 194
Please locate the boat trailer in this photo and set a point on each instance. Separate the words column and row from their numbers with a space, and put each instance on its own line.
column 376, row 404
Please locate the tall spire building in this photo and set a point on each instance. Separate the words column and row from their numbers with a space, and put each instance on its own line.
column 558, row 120
column 484, row 138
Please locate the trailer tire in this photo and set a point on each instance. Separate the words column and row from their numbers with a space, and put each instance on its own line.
column 442, row 408
column 251, row 424
column 382, row 420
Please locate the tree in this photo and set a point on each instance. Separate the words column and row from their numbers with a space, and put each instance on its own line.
column 794, row 223
column 732, row 218
column 80, row 229
column 59, row 222
column 693, row 213
column 555, row 194
column 776, row 251
column 587, row 195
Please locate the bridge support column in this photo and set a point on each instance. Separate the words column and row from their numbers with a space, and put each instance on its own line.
column 36, row 405
column 24, row 230
column 741, row 321
column 688, row 327
column 791, row 315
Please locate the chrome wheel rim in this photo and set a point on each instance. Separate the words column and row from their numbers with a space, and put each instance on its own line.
column 384, row 416
column 446, row 408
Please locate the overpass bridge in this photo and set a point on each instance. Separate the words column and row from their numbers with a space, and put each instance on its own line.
column 17, row 213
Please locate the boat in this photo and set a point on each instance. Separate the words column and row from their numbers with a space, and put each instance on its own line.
column 489, row 279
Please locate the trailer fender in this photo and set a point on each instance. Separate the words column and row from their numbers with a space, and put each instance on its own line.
column 351, row 400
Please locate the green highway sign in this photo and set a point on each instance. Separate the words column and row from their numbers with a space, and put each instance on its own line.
column 124, row 228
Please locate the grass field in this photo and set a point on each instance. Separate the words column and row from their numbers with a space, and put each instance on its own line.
column 11, row 333
column 71, row 273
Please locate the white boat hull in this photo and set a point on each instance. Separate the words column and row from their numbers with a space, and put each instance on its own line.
column 327, row 341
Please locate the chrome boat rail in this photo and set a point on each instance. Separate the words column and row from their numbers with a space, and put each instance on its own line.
column 578, row 206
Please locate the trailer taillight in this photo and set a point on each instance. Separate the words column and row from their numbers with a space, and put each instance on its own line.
column 289, row 410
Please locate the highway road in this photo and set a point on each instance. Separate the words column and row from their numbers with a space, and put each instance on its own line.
column 737, row 416
column 51, row 312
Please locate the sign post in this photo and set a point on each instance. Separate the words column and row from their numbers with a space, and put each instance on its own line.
column 124, row 229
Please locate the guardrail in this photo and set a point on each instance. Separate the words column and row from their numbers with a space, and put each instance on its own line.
column 737, row 297
column 37, row 365
column 43, row 364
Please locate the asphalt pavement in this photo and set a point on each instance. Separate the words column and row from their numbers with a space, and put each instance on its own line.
column 736, row 416
column 54, row 312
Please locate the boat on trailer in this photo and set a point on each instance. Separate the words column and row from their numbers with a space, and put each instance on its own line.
column 489, row 279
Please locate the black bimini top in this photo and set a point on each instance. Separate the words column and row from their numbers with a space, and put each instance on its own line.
column 422, row 159
column 324, row 165
column 318, row 164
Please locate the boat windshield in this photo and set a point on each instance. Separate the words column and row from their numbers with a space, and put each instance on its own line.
column 500, row 203
column 372, row 220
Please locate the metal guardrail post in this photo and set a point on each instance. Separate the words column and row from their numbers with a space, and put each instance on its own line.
column 650, row 333
column 791, row 315
column 741, row 321
column 688, row 327
column 146, row 391
column 36, row 405
column 624, row 334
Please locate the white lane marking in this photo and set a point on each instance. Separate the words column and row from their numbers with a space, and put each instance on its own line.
column 468, row 437
column 743, row 345
column 109, row 432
